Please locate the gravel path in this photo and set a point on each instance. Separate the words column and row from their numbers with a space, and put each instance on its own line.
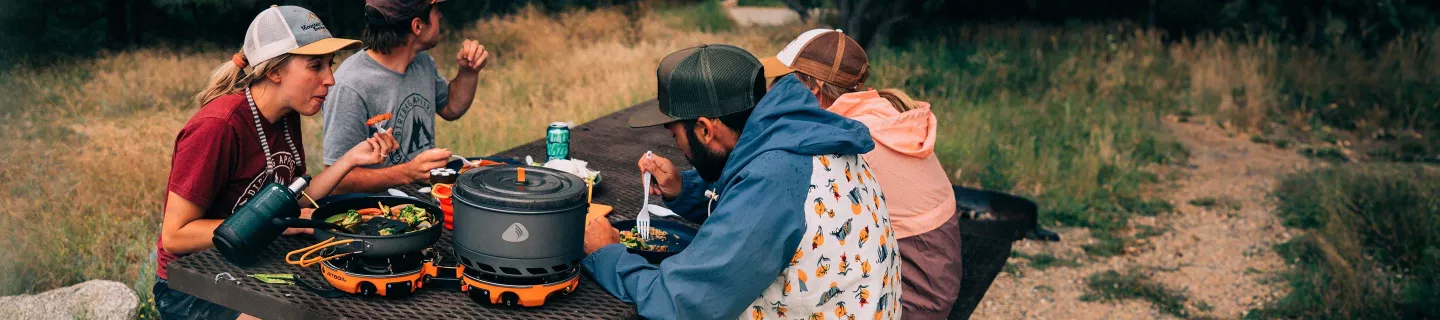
column 1217, row 255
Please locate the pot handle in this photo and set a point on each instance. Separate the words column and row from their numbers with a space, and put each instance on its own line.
column 305, row 261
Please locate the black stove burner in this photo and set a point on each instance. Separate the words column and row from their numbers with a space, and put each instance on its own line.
column 374, row 266
column 520, row 281
column 403, row 264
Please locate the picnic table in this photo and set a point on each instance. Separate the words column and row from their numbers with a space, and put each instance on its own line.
column 990, row 222
column 607, row 143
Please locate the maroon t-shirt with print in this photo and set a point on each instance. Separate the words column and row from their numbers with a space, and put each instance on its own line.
column 219, row 163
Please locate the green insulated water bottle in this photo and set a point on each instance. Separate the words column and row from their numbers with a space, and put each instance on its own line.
column 251, row 229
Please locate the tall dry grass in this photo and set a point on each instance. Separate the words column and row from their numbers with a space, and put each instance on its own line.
column 87, row 154
column 1234, row 79
column 1341, row 85
column 574, row 67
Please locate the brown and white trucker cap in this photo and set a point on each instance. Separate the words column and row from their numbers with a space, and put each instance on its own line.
column 826, row 54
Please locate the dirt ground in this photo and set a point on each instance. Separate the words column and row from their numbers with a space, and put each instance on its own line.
column 1219, row 256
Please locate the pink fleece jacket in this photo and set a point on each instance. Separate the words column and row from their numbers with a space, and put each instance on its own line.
column 916, row 187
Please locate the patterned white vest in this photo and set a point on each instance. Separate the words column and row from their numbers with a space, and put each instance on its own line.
column 849, row 267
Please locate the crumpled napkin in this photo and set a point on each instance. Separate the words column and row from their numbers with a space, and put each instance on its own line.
column 573, row 166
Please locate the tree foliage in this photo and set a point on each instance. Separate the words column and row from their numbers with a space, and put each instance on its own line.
column 41, row 30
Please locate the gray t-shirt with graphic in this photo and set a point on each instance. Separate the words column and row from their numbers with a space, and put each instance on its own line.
column 364, row 88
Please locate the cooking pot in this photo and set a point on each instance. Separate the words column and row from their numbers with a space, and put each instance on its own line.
column 519, row 222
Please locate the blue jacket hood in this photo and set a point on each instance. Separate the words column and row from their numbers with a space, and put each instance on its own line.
column 789, row 118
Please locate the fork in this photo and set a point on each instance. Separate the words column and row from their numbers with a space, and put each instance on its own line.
column 642, row 221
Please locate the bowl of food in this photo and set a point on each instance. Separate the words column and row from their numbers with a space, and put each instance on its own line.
column 667, row 238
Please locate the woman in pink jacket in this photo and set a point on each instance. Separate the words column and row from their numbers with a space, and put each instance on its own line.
column 921, row 201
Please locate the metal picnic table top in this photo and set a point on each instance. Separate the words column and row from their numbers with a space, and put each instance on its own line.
column 607, row 143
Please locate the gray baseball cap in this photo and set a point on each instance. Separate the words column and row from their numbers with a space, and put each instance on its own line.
column 290, row 29
column 708, row 81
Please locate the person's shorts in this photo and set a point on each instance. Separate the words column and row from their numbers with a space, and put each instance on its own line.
column 930, row 271
column 174, row 305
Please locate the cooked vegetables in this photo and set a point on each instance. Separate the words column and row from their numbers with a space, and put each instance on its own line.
column 377, row 119
column 633, row 241
column 347, row 220
column 362, row 221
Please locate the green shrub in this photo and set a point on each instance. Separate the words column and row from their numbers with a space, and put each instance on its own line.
column 1371, row 247
column 1042, row 261
column 1112, row 285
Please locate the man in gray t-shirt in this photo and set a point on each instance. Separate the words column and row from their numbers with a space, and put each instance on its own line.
column 394, row 74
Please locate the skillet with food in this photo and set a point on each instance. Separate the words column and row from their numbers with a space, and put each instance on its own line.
column 382, row 226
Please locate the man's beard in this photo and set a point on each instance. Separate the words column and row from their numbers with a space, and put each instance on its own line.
column 708, row 164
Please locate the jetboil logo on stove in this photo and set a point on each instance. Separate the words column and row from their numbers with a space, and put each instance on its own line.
column 516, row 233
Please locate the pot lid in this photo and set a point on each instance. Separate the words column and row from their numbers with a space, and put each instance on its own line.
column 500, row 186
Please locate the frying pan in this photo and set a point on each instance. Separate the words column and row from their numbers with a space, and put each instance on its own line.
column 373, row 246
column 685, row 235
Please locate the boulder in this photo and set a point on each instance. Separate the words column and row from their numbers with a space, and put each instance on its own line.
column 94, row 299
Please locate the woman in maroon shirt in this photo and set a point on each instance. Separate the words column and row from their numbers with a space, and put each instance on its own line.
column 247, row 134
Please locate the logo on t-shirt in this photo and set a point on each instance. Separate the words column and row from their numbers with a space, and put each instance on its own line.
column 284, row 173
column 412, row 129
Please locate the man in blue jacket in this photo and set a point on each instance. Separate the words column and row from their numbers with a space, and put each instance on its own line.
column 796, row 227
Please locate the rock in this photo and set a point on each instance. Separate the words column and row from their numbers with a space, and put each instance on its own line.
column 94, row 299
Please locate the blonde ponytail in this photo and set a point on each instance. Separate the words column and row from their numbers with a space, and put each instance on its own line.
column 230, row 76
column 901, row 101
column 828, row 92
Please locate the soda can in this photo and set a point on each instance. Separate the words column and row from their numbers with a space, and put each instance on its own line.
column 557, row 141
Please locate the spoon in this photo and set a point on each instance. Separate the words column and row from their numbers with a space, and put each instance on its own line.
column 465, row 161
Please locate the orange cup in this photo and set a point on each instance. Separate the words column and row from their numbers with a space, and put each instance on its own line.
column 442, row 192
column 449, row 213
